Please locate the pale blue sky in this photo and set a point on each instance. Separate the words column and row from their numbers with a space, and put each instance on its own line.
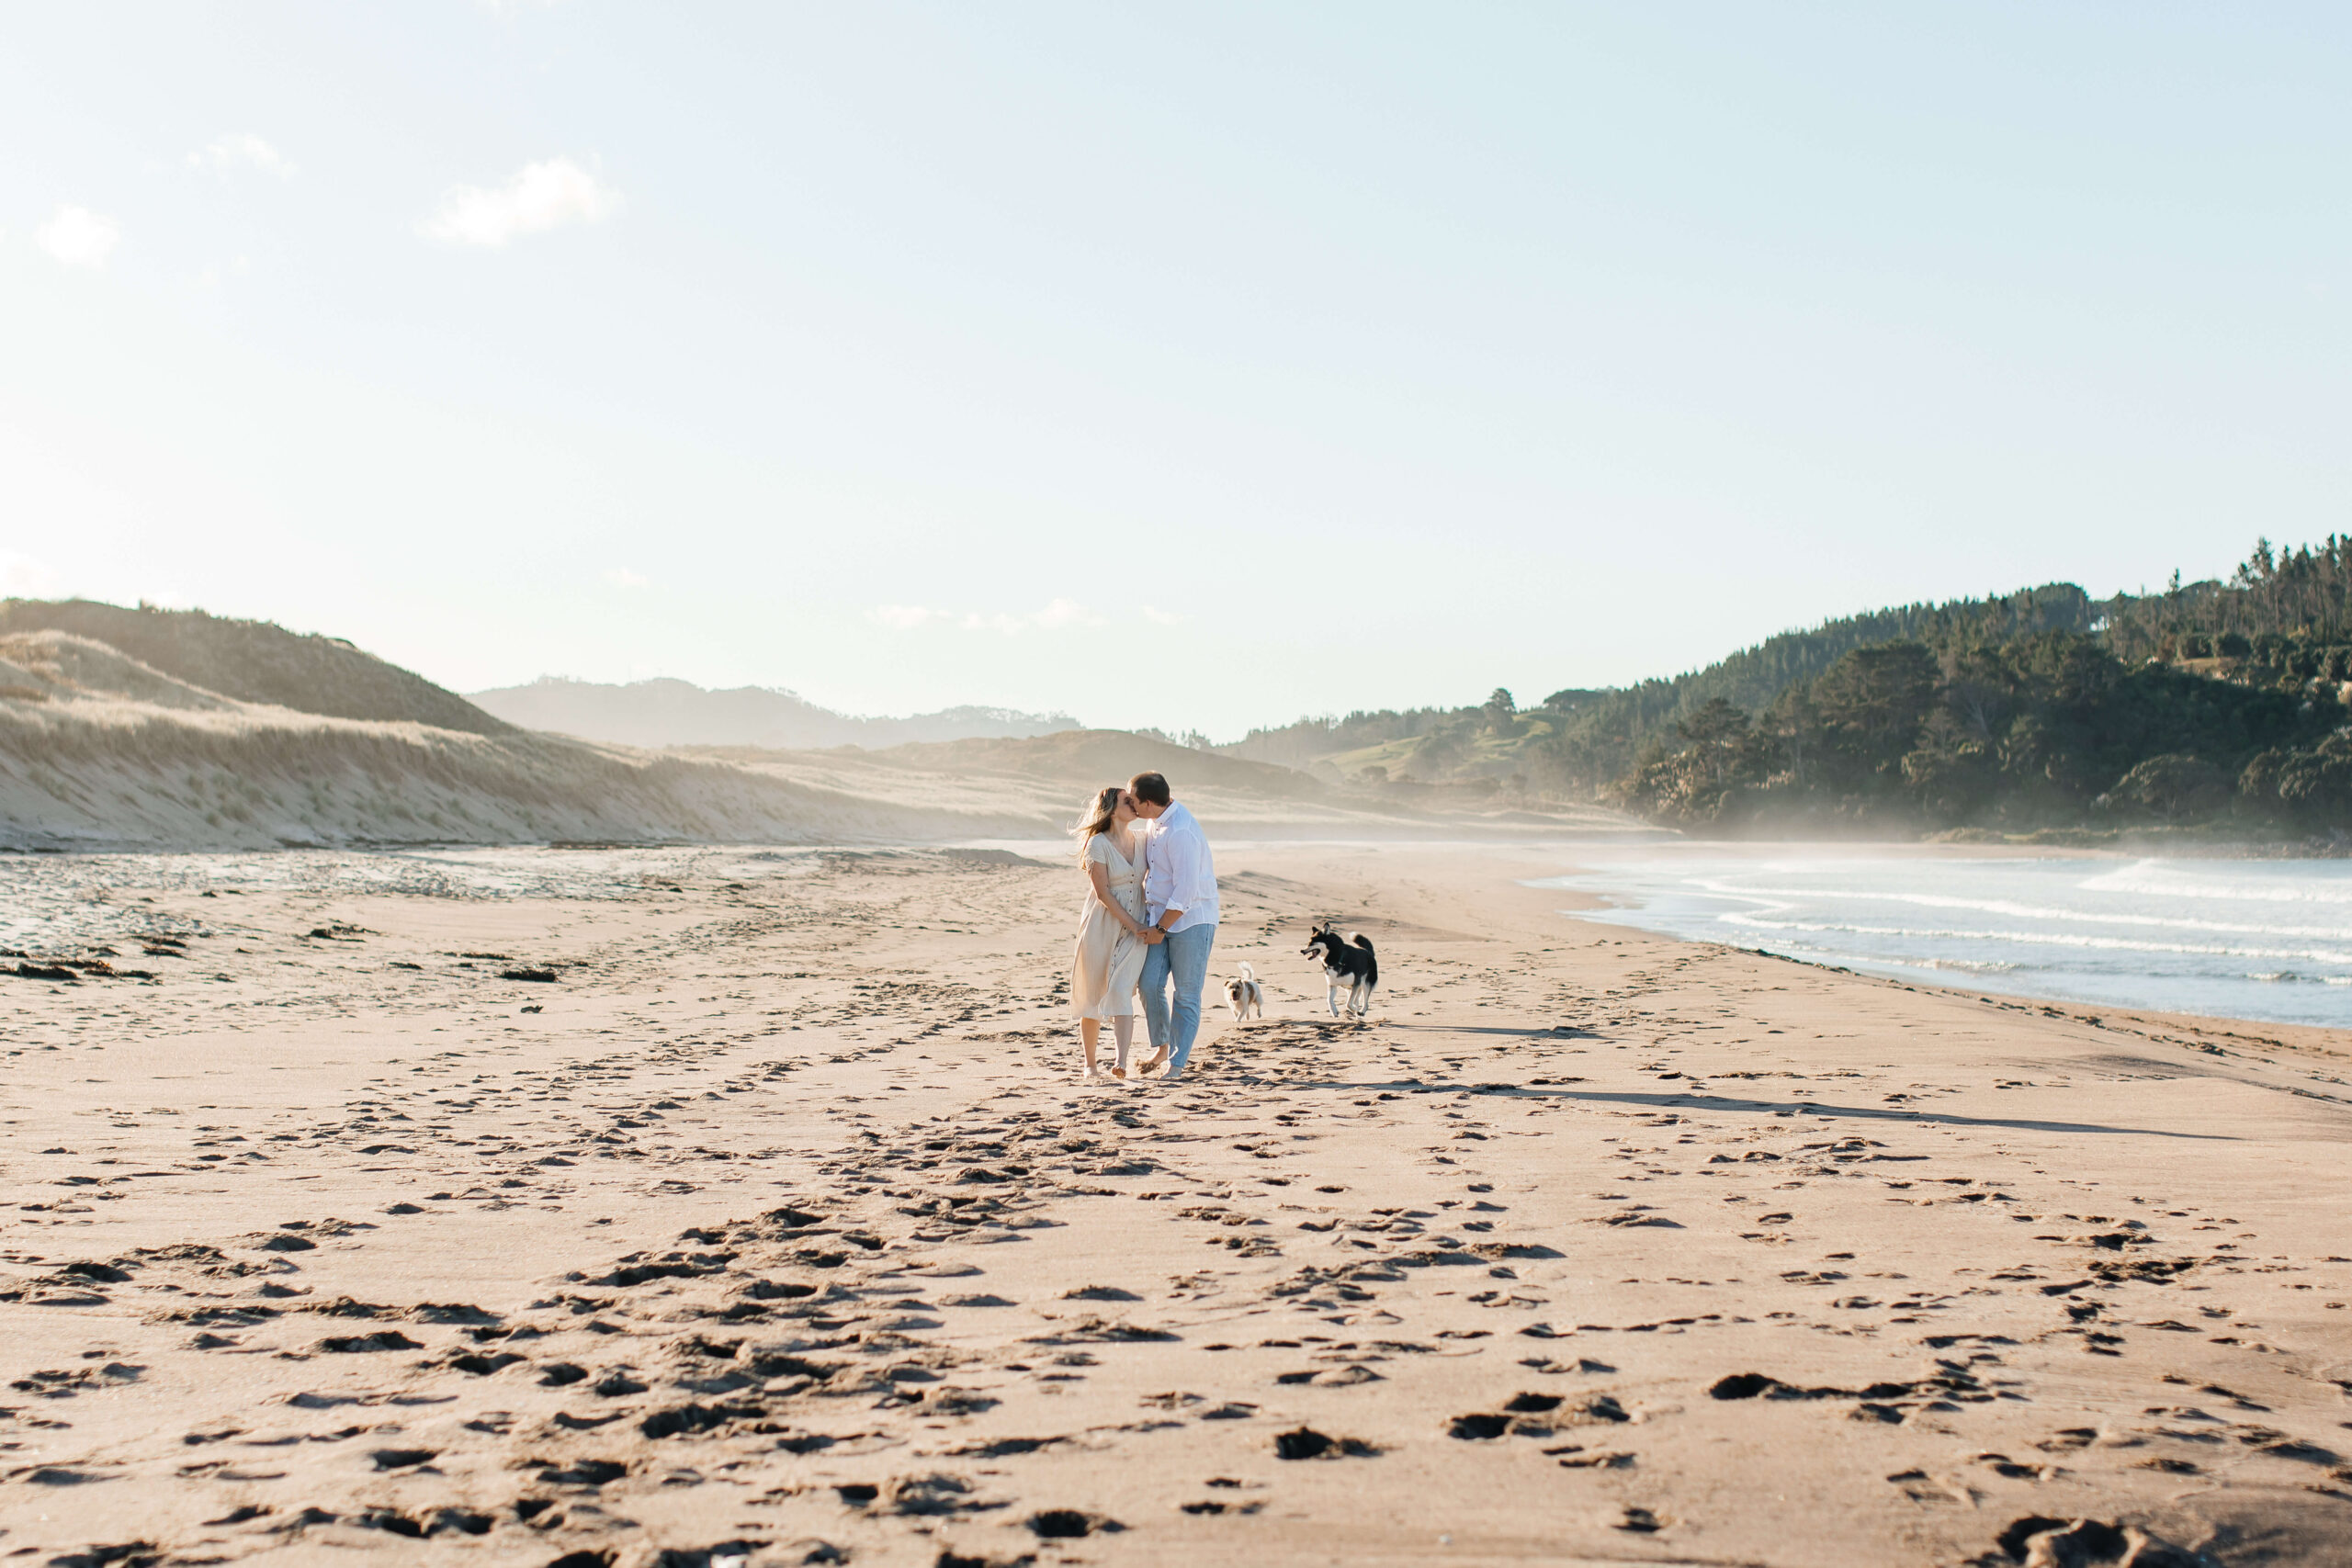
column 1190, row 365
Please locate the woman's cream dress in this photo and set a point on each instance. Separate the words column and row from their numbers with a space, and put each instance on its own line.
column 1108, row 963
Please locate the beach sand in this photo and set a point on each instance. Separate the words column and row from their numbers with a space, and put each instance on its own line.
column 776, row 1228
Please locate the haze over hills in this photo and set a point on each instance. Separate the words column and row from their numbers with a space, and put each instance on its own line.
column 238, row 735
column 2220, row 706
column 665, row 711
column 1046, row 777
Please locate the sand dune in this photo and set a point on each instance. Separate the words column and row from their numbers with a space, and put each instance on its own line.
column 99, row 751
column 256, row 662
column 706, row 1207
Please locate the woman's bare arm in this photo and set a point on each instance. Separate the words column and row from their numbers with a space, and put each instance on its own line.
column 1100, row 875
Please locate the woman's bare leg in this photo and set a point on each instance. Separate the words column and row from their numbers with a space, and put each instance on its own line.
column 1122, row 1029
column 1090, row 1033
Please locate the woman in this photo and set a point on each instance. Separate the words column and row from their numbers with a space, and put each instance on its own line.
column 1111, row 930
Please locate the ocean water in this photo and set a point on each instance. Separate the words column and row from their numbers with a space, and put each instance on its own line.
column 2267, row 940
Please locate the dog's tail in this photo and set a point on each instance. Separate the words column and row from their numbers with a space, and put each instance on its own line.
column 1359, row 939
column 1247, row 973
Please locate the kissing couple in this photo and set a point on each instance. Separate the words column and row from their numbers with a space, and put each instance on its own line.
column 1150, row 918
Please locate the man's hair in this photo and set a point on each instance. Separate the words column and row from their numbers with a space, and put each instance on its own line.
column 1149, row 787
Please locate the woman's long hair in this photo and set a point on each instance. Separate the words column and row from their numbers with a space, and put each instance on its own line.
column 1100, row 813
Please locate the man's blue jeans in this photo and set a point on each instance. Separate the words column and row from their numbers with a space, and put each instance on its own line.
column 1185, row 955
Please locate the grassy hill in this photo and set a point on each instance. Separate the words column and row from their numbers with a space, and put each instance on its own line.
column 103, row 750
column 256, row 662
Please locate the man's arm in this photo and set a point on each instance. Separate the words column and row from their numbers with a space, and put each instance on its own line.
column 1157, row 872
column 1188, row 883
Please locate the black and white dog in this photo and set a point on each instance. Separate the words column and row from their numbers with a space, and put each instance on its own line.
column 1243, row 994
column 1348, row 966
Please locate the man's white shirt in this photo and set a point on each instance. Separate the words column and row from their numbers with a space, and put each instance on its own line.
column 1177, row 871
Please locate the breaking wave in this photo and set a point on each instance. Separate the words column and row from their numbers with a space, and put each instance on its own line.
column 2249, row 939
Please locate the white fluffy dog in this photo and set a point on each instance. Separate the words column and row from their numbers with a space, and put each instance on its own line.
column 1244, row 994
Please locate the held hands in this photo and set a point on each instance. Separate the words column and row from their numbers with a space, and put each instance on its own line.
column 1152, row 935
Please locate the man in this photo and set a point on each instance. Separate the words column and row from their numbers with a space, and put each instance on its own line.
column 1180, row 900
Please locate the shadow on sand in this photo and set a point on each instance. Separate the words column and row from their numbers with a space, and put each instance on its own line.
column 1725, row 1104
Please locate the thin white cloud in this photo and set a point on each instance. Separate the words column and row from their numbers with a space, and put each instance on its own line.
column 1058, row 615
column 1064, row 613
column 78, row 237
column 621, row 577
column 21, row 577
column 241, row 149
column 1162, row 617
column 541, row 197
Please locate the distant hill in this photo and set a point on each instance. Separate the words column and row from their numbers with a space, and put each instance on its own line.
column 677, row 712
column 256, row 662
column 1084, row 757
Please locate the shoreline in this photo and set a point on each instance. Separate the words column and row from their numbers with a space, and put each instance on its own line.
column 2042, row 935
column 2197, row 1031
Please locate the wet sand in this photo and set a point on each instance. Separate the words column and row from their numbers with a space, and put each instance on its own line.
column 773, row 1224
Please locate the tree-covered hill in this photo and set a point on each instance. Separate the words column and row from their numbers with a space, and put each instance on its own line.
column 2040, row 708
column 1581, row 740
column 2218, row 702
column 2050, row 729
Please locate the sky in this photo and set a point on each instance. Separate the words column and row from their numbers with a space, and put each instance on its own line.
column 1197, row 367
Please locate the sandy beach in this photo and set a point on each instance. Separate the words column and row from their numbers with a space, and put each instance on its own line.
column 730, row 1207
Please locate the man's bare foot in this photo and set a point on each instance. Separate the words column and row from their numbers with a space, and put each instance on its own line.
column 1158, row 1060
